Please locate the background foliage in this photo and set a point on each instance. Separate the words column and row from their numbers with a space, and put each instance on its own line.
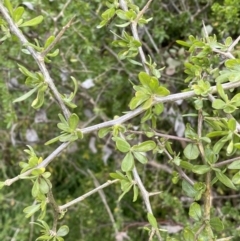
column 105, row 90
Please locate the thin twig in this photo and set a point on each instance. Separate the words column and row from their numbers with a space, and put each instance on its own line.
column 199, row 11
column 223, row 163
column 160, row 166
column 145, row 196
column 151, row 40
column 208, row 204
column 162, row 135
column 104, row 200
column 37, row 57
column 207, row 194
column 57, row 39
column 62, row 10
column 199, row 231
column 56, row 210
column 200, row 145
column 144, row 9
column 124, row 6
column 235, row 42
column 79, row 199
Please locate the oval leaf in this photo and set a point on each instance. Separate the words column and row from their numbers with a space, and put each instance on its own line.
column 103, row 132
column 122, row 145
column 144, row 146
column 195, row 211
column 152, row 220
column 127, row 162
column 201, row 169
column 73, row 121
column 140, row 157
column 63, row 231
column 216, row 224
column 236, row 178
column 191, row 151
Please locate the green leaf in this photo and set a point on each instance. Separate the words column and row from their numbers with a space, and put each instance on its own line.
column 27, row 95
column 123, row 25
column 62, row 119
column 195, row 211
column 232, row 124
column 63, row 231
column 31, row 210
column 144, row 146
column 68, row 137
column 217, row 133
column 158, row 108
column 234, row 165
column 147, row 104
column 236, row 178
column 73, row 121
column 35, row 189
column 103, row 132
column 230, row 147
column 216, row 224
column 46, row 174
column 102, row 23
column 188, row 234
column 49, row 41
column 9, row 7
column 32, row 22
column 147, row 115
column 38, row 171
column 108, row 14
column 191, row 151
column 152, row 220
column 188, row 189
column 52, row 141
column 138, row 100
column 183, row 43
column 38, row 102
column 186, row 165
column 121, row 14
column 26, row 72
column 118, row 175
column 64, row 127
column 127, row 162
column 219, row 145
column 122, row 145
column 126, row 188
column 135, row 193
column 221, row 92
column 162, row 91
column 225, row 180
column 43, row 186
column 53, row 54
column 79, row 134
column 201, row 169
column 17, row 14
column 144, row 78
column 218, row 104
column 140, row 157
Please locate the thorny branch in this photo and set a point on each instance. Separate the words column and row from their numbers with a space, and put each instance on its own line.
column 79, row 199
column 120, row 120
column 37, row 57
column 57, row 39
